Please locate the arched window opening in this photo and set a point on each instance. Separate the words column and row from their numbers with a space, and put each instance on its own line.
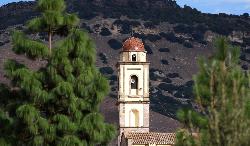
column 134, row 82
column 134, row 118
column 133, row 57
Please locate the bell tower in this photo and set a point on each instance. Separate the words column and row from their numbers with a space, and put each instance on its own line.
column 133, row 94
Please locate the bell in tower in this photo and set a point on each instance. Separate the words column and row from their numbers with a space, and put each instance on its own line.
column 134, row 85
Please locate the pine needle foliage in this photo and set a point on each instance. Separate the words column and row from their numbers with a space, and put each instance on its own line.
column 59, row 103
column 223, row 95
column 53, row 20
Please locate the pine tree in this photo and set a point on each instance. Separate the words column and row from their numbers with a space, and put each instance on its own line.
column 59, row 103
column 53, row 20
column 223, row 96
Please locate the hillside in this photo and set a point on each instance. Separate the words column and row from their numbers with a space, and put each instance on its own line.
column 174, row 38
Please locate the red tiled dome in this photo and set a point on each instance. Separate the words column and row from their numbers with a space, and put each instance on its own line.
column 133, row 44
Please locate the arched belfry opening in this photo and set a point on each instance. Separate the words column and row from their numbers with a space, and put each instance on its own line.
column 134, row 82
column 134, row 118
column 133, row 85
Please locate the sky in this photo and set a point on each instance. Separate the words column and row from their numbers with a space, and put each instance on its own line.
column 218, row 6
column 237, row 7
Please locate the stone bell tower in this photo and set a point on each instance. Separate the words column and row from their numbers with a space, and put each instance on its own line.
column 133, row 94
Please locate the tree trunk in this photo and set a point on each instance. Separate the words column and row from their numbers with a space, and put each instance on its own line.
column 50, row 42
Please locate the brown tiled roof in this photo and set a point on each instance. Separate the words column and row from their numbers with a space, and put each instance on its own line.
column 152, row 138
column 133, row 44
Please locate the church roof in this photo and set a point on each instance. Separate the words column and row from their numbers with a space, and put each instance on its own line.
column 152, row 138
column 133, row 44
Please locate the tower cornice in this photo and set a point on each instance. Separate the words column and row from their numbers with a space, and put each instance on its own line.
column 133, row 102
column 133, row 63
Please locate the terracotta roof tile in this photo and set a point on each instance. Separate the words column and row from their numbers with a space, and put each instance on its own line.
column 152, row 138
column 133, row 44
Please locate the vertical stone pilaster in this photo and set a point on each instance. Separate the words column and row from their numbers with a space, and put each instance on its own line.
column 122, row 115
column 146, row 115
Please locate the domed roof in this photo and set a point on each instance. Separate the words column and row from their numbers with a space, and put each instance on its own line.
column 133, row 44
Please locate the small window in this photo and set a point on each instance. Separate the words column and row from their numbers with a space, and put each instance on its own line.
column 134, row 82
column 133, row 57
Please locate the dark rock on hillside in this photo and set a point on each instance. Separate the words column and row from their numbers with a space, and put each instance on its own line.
column 142, row 36
column 1, row 43
column 165, row 62
column 148, row 49
column 173, row 75
column 113, row 78
column 164, row 50
column 246, row 41
column 126, row 25
column 105, row 62
column 202, row 28
column 167, row 80
column 185, row 91
column 7, row 41
column 104, row 58
column 182, row 91
column 105, row 32
column 197, row 32
column 115, row 44
column 170, row 88
column 19, row 28
column 247, row 50
column 111, row 83
column 113, row 89
column 243, row 57
column 113, row 96
column 245, row 67
column 149, row 25
column 168, row 36
column 154, row 69
column 187, row 44
column 168, row 105
column 153, row 37
column 182, row 28
column 106, row 70
column 189, row 83
column 155, row 91
column 156, row 74
column 198, row 37
column 172, row 38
